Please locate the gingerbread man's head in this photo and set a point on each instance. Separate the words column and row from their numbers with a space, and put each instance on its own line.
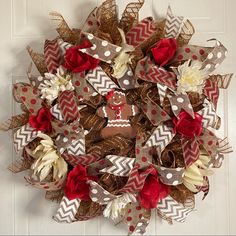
column 116, row 98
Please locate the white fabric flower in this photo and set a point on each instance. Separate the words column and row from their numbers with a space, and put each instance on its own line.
column 194, row 174
column 54, row 84
column 124, row 59
column 47, row 159
column 115, row 207
column 191, row 77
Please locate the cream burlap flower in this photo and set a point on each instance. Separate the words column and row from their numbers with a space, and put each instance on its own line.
column 191, row 77
column 54, row 84
column 124, row 59
column 194, row 174
column 47, row 159
column 115, row 207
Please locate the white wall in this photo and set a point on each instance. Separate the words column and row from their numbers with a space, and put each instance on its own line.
column 23, row 210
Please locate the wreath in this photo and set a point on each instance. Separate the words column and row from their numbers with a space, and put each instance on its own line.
column 121, row 120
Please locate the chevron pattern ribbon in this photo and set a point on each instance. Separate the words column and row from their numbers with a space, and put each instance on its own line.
column 211, row 90
column 52, row 55
column 67, row 210
column 68, row 106
column 148, row 71
column 209, row 114
column 191, row 151
column 173, row 24
column 162, row 90
column 63, row 46
column 97, row 166
column 174, row 210
column 136, row 180
column 77, row 147
column 160, row 138
column 99, row 194
column 82, row 159
column 100, row 81
column 181, row 102
column 23, row 136
column 101, row 49
column 141, row 32
column 122, row 166
column 55, row 111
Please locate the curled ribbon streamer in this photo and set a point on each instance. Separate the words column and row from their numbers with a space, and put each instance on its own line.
column 215, row 57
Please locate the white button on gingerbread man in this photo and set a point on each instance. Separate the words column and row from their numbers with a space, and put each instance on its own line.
column 118, row 112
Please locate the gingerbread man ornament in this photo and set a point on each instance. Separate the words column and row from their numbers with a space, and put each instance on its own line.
column 118, row 112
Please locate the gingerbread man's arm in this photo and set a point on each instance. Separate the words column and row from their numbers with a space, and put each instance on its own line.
column 101, row 111
column 132, row 110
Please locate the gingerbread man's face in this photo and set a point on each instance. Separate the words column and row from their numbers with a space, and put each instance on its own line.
column 117, row 99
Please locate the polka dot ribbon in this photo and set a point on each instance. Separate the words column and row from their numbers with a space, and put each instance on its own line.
column 101, row 49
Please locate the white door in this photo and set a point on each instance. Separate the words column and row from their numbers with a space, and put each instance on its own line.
column 23, row 209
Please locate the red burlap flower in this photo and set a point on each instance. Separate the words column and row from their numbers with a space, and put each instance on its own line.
column 42, row 121
column 187, row 126
column 76, row 185
column 164, row 50
column 153, row 191
column 77, row 61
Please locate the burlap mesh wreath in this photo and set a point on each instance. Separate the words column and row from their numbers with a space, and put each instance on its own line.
column 153, row 150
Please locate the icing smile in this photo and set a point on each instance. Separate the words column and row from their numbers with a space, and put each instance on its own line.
column 117, row 103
